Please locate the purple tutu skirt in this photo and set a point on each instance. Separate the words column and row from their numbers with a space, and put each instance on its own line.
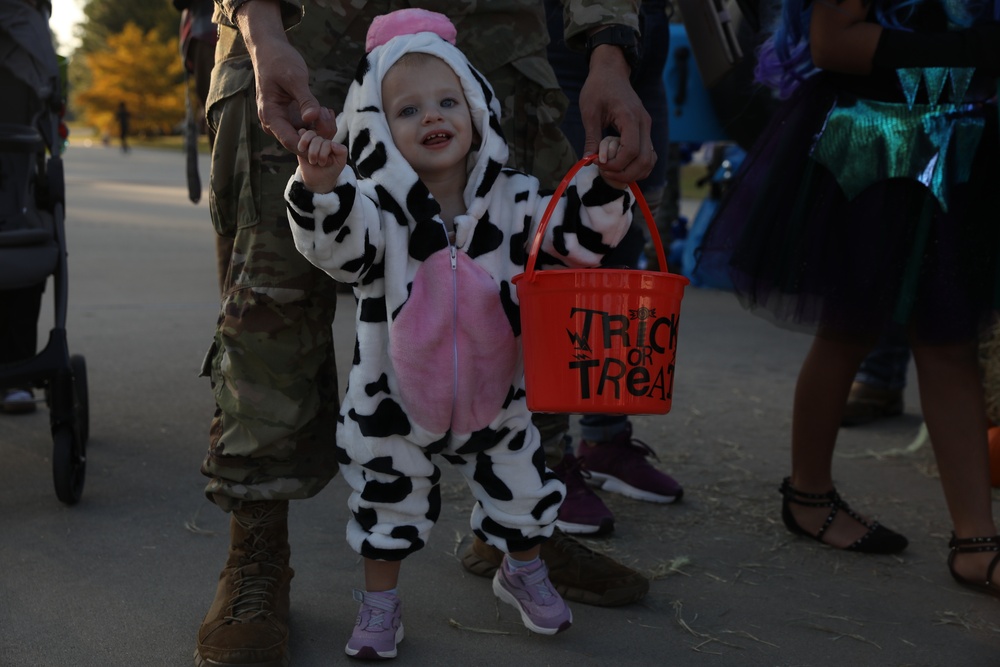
column 798, row 252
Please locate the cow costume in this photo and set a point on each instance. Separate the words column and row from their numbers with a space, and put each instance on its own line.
column 437, row 361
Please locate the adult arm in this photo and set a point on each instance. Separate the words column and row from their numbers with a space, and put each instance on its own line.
column 841, row 40
column 607, row 98
column 284, row 101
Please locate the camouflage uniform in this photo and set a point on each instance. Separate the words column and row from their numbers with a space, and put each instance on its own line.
column 272, row 361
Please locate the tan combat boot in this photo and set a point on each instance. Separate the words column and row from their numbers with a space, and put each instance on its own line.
column 247, row 625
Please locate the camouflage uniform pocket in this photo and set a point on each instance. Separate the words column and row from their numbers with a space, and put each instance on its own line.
column 533, row 109
column 234, row 183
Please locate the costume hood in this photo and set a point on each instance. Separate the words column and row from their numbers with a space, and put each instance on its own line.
column 362, row 125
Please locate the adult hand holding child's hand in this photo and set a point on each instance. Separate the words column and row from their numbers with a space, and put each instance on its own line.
column 321, row 160
column 606, row 152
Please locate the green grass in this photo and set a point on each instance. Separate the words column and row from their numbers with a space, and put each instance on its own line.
column 80, row 132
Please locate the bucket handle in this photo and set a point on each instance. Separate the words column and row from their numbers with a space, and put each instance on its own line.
column 536, row 243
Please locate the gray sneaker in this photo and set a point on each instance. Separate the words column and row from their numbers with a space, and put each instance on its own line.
column 529, row 590
column 379, row 627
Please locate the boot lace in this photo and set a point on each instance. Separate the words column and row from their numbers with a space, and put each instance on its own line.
column 576, row 549
column 257, row 576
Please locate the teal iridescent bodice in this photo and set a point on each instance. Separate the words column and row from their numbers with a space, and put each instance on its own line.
column 863, row 142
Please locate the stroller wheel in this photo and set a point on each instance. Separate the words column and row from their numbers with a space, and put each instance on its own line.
column 81, row 398
column 69, row 463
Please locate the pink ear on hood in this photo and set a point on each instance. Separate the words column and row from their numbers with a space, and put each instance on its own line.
column 408, row 22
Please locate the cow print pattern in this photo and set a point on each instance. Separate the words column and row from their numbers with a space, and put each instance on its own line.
column 374, row 231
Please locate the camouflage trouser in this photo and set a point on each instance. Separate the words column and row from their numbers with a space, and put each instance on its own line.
column 272, row 362
column 531, row 126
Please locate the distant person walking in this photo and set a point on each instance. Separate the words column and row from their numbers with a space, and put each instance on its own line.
column 123, row 115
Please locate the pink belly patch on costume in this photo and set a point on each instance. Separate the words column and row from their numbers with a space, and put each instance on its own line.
column 453, row 372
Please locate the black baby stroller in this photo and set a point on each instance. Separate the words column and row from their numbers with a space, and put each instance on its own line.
column 32, row 238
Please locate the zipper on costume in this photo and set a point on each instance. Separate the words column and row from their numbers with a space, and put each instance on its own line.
column 454, row 328
column 453, row 252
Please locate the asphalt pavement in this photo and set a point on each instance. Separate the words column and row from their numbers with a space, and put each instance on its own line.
column 124, row 577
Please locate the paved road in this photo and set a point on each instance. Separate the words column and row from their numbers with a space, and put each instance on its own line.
column 123, row 578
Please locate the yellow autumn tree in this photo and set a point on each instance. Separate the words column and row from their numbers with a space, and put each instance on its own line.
column 142, row 70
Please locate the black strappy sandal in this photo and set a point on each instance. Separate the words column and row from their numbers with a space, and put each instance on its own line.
column 878, row 539
column 970, row 545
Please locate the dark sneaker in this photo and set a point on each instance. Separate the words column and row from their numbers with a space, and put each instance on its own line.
column 378, row 628
column 582, row 511
column 620, row 466
column 866, row 404
column 18, row 401
column 578, row 573
column 529, row 590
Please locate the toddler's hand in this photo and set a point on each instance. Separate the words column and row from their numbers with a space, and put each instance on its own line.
column 605, row 153
column 321, row 161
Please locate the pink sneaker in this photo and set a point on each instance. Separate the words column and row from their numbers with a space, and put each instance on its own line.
column 582, row 511
column 529, row 590
column 379, row 627
column 620, row 466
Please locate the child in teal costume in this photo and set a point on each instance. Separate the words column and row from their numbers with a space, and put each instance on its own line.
column 874, row 197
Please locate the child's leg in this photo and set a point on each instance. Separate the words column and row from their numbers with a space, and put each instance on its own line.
column 517, row 504
column 381, row 575
column 517, row 498
column 378, row 628
column 394, row 503
column 529, row 554
column 820, row 394
column 522, row 581
column 395, row 498
column 951, row 396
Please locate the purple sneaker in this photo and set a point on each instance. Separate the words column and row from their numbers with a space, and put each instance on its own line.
column 582, row 511
column 620, row 466
column 379, row 627
column 529, row 590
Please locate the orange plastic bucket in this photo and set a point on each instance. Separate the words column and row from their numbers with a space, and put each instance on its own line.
column 599, row 340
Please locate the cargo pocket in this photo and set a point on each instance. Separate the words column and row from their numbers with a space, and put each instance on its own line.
column 535, row 107
column 207, row 361
column 234, row 182
column 211, row 369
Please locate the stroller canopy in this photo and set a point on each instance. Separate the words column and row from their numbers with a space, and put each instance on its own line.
column 26, row 49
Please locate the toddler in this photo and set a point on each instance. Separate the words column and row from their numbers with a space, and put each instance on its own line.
column 429, row 228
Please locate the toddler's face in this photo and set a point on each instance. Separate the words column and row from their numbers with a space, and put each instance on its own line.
column 428, row 116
